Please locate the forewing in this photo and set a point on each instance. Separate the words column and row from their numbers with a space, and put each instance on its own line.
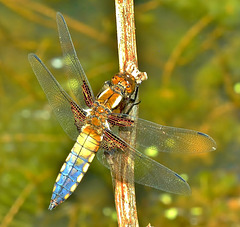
column 169, row 139
column 57, row 97
column 146, row 171
column 159, row 138
column 78, row 81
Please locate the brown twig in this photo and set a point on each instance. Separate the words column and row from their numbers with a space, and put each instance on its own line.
column 122, row 170
column 127, row 51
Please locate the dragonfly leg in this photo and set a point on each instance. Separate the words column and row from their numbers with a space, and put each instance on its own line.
column 132, row 101
column 135, row 94
column 132, row 105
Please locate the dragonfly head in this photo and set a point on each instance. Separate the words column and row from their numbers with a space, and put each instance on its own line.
column 124, row 83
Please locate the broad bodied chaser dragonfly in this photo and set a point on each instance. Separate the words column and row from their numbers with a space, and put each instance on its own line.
column 89, row 122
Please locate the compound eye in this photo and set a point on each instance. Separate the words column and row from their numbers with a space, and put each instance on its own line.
column 130, row 85
column 115, row 80
column 129, row 89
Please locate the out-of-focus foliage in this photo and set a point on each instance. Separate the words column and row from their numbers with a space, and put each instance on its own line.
column 191, row 52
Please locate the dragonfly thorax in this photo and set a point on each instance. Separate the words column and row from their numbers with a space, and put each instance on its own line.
column 118, row 89
column 109, row 98
column 98, row 116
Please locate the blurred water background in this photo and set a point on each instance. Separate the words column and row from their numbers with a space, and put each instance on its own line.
column 191, row 52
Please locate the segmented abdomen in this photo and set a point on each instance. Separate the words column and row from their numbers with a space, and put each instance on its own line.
column 76, row 165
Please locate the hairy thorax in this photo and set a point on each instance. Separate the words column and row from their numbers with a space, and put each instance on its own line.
column 97, row 117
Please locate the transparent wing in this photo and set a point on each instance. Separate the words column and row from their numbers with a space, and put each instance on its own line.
column 170, row 139
column 78, row 81
column 161, row 138
column 57, row 97
column 146, row 171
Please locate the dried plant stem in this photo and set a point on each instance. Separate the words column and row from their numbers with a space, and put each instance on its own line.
column 125, row 33
column 124, row 189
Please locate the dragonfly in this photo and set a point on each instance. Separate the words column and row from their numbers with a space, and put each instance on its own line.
column 90, row 121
